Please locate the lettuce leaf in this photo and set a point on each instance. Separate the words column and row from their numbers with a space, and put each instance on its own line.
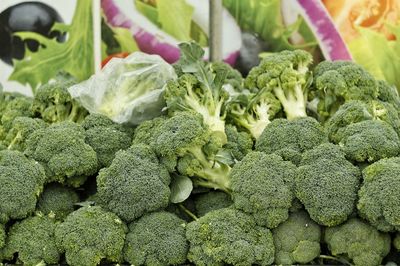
column 75, row 56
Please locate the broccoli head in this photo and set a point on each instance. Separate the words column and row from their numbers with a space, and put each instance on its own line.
column 297, row 240
column 239, row 142
column 134, row 183
column 229, row 236
column 2, row 236
column 21, row 181
column 369, row 141
column 33, row 240
column 337, row 82
column 106, row 137
column 57, row 201
column 262, row 185
column 144, row 132
column 287, row 76
column 22, row 127
column 53, row 103
column 89, row 235
column 388, row 93
column 379, row 202
column 211, row 201
column 359, row 241
column 253, row 111
column 290, row 139
column 157, row 238
column 14, row 106
column 327, row 184
column 62, row 150
column 233, row 77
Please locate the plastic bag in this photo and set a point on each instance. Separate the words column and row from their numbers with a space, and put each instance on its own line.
column 128, row 90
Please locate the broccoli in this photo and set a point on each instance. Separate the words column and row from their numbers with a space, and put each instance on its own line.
column 144, row 132
column 22, row 127
column 369, row 141
column 157, row 238
column 211, row 201
column 106, row 137
column 135, row 183
column 2, row 236
column 287, row 76
column 200, row 89
column 62, row 150
column 388, row 93
column 379, row 202
column 53, row 103
column 396, row 241
column 358, row 241
column 233, row 77
column 89, row 235
column 327, row 184
column 297, row 240
column 290, row 139
column 229, row 236
column 239, row 142
column 57, row 201
column 262, row 185
column 33, row 240
column 337, row 82
column 21, row 181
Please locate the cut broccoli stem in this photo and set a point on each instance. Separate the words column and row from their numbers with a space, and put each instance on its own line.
column 294, row 104
column 341, row 260
column 189, row 213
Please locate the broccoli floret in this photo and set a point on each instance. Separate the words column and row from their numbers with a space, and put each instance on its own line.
column 369, row 141
column 135, row 183
column 211, row 201
column 57, row 201
column 62, row 150
column 89, row 235
column 232, row 77
column 297, row 240
column 21, row 181
column 15, row 106
column 21, row 129
column 337, row 82
column 53, row 103
column 229, row 236
column 290, row 139
column 253, row 111
column 144, row 132
column 200, row 89
column 239, row 142
column 379, row 202
column 359, row 241
column 2, row 236
column 106, row 137
column 287, row 76
column 388, row 93
column 262, row 185
column 33, row 240
column 327, row 184
column 156, row 239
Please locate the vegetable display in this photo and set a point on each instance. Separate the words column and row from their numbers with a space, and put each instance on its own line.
column 296, row 163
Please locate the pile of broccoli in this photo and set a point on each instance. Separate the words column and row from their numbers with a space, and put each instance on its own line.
column 293, row 164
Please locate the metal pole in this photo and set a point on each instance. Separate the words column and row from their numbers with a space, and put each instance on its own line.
column 215, row 30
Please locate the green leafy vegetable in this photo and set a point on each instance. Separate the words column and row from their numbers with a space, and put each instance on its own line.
column 181, row 188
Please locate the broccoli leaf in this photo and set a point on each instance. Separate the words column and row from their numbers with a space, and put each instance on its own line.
column 181, row 187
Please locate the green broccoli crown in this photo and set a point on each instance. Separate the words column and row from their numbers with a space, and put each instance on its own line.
column 291, row 138
column 233, row 76
column 22, row 127
column 388, row 93
column 369, row 141
column 229, row 236
column 144, row 132
column 134, row 183
column 21, row 181
column 62, row 150
column 16, row 106
column 33, row 240
column 106, row 137
column 337, row 82
column 157, row 238
column 89, row 235
column 287, row 76
column 57, row 201
column 262, row 185
column 378, row 196
column 327, row 184
column 359, row 241
column 53, row 103
column 239, row 143
column 297, row 240
column 2, row 236
column 211, row 201
column 253, row 111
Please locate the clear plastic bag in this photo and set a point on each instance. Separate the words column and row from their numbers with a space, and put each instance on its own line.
column 128, row 90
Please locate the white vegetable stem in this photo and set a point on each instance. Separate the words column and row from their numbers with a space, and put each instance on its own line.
column 216, row 30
